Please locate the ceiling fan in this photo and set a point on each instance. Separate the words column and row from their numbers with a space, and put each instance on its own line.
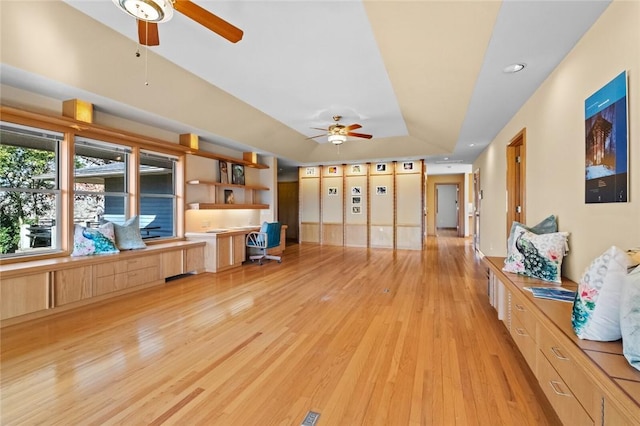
column 150, row 12
column 337, row 133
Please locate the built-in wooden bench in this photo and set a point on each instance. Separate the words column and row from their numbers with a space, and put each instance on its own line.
column 33, row 289
column 586, row 382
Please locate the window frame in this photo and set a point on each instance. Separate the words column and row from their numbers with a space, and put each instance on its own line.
column 72, row 128
column 57, row 140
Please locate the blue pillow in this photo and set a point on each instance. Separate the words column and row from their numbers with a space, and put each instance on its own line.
column 547, row 226
column 128, row 235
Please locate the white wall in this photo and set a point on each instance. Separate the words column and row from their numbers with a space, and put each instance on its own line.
column 554, row 121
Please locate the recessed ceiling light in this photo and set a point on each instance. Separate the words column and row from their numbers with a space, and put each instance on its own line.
column 446, row 158
column 472, row 144
column 513, row 68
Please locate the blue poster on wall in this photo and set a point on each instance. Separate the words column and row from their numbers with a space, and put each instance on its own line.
column 606, row 143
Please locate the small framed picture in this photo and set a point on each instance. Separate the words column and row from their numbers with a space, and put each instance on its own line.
column 224, row 172
column 356, row 190
column 228, row 196
column 356, row 210
column 310, row 171
column 333, row 170
column 356, row 200
column 381, row 167
column 333, row 190
column 355, row 168
column 407, row 166
column 237, row 174
column 381, row 190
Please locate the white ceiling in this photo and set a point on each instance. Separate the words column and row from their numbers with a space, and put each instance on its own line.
column 424, row 77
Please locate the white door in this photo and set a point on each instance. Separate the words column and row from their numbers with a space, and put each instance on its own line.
column 447, row 206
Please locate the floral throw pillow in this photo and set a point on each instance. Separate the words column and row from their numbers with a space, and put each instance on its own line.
column 537, row 256
column 630, row 318
column 88, row 241
column 596, row 308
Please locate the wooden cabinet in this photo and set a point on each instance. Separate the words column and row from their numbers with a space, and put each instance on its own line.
column 35, row 289
column 224, row 258
column 239, row 249
column 194, row 259
column 564, row 402
column 122, row 274
column 586, row 382
column 24, row 294
column 172, row 263
column 573, row 376
column 72, row 285
column 223, row 250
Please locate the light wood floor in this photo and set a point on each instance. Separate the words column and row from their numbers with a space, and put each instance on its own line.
column 363, row 337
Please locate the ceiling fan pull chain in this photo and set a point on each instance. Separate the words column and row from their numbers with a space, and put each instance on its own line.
column 146, row 57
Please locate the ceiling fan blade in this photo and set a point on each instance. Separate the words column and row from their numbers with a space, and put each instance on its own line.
column 209, row 20
column 318, row 128
column 317, row 136
column 359, row 135
column 148, row 33
column 352, row 127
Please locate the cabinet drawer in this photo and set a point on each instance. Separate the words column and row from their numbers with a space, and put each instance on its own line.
column 525, row 340
column 572, row 374
column 560, row 396
column 108, row 284
column 109, row 268
column 527, row 320
column 140, row 276
column 142, row 263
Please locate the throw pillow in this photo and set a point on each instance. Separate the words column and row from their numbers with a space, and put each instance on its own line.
column 547, row 226
column 94, row 241
column 537, row 256
column 596, row 308
column 630, row 318
column 128, row 234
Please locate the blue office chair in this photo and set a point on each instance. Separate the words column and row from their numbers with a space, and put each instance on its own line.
column 268, row 237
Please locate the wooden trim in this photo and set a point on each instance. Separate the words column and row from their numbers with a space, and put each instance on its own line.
column 89, row 130
column 515, row 192
column 226, row 158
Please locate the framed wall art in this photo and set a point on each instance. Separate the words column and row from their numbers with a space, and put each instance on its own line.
column 607, row 143
column 237, row 174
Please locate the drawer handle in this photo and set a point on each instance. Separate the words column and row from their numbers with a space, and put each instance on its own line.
column 558, row 353
column 556, row 388
column 521, row 332
column 520, row 308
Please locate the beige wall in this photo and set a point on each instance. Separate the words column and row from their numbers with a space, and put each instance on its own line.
column 554, row 119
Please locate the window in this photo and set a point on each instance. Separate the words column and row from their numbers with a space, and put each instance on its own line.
column 100, row 182
column 157, row 195
column 30, row 190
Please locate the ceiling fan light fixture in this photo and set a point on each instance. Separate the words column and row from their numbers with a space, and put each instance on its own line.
column 337, row 139
column 147, row 10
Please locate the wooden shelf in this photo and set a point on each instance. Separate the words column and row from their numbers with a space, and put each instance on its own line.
column 213, row 206
column 227, row 185
column 229, row 160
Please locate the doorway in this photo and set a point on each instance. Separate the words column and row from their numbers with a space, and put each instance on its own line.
column 447, row 207
column 516, row 179
column 477, row 197
column 288, row 208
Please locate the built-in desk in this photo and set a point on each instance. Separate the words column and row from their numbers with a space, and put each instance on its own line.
column 586, row 382
column 226, row 248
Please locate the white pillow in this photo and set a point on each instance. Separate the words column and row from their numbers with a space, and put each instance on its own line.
column 537, row 256
column 596, row 308
column 630, row 318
